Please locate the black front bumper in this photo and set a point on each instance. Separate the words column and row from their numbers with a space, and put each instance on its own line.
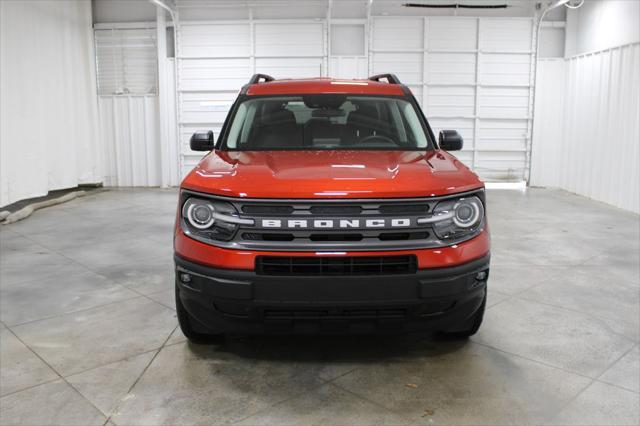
column 238, row 301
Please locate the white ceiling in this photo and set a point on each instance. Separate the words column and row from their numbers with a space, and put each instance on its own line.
column 142, row 10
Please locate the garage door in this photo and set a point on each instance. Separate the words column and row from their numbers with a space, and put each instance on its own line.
column 215, row 59
column 470, row 74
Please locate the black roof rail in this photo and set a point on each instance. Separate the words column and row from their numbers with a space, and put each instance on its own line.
column 257, row 77
column 391, row 78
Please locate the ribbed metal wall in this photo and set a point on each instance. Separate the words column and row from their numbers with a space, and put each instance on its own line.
column 130, row 141
column 216, row 58
column 587, row 134
column 601, row 139
column 470, row 74
column 129, row 129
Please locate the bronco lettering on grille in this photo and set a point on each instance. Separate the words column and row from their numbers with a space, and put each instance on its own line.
column 336, row 223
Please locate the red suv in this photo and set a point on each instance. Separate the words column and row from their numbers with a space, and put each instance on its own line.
column 326, row 205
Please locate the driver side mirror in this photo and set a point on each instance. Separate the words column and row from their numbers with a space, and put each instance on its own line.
column 450, row 140
column 202, row 141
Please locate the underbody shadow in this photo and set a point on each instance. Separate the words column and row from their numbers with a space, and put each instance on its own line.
column 334, row 348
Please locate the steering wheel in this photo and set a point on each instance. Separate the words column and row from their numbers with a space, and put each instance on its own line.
column 380, row 138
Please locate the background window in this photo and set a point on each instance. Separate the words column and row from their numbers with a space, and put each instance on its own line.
column 126, row 61
column 347, row 40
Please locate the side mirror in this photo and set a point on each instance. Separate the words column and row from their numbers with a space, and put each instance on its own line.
column 202, row 141
column 450, row 140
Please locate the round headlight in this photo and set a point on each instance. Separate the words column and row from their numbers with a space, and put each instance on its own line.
column 467, row 212
column 200, row 214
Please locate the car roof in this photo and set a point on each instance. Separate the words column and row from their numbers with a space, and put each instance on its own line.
column 324, row 85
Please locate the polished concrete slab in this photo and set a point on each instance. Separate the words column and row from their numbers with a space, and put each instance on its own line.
column 88, row 330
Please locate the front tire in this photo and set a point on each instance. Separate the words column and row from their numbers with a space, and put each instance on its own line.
column 473, row 326
column 187, row 322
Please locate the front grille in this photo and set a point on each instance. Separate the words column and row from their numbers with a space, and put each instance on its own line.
column 327, row 265
column 335, row 225
column 267, row 210
column 328, row 237
column 336, row 210
column 335, row 314
column 419, row 209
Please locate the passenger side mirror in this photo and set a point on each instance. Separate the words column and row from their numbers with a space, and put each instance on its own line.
column 202, row 141
column 450, row 140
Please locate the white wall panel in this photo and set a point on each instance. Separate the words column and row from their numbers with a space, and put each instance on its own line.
column 601, row 155
column 172, row 126
column 502, row 135
column 500, row 165
column 129, row 128
column 214, row 62
column 449, row 101
column 503, row 102
column 220, row 41
column 348, row 67
column 452, row 34
column 130, row 139
column 597, row 153
column 506, row 34
column 451, row 68
column 548, row 123
column 505, row 69
column 348, row 39
column 289, row 39
column 407, row 66
column 348, row 55
column 213, row 74
column 126, row 60
column 398, row 34
column 48, row 105
column 471, row 74
column 443, row 60
column 201, row 111
column 217, row 58
column 205, row 108
column 301, row 67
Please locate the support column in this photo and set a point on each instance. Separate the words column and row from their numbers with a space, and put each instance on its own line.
column 163, row 98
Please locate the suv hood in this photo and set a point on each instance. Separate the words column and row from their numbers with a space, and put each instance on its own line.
column 331, row 174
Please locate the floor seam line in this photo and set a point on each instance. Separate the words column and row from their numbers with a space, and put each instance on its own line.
column 144, row 370
column 365, row 398
column 46, row 382
column 533, row 360
column 87, row 268
column 112, row 362
column 612, row 364
column 57, row 372
column 570, row 400
column 499, row 302
column 616, row 386
column 342, row 375
column 75, row 312
column 277, row 404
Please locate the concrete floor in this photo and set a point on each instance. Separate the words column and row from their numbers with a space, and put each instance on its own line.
column 89, row 336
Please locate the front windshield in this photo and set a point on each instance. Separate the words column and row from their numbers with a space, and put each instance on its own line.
column 327, row 121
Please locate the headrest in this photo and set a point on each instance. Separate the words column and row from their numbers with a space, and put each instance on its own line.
column 275, row 113
column 366, row 109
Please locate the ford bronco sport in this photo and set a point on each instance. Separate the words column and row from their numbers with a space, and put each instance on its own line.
column 326, row 206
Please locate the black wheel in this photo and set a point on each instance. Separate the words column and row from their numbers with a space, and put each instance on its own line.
column 187, row 323
column 473, row 326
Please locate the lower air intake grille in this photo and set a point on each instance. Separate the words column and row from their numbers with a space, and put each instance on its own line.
column 317, row 266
